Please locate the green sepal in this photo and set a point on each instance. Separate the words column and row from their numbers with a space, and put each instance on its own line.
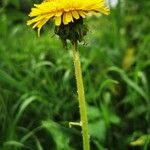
column 74, row 31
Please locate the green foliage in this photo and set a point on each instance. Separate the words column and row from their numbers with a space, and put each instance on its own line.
column 38, row 91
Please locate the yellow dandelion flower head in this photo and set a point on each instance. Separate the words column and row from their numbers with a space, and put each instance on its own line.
column 64, row 11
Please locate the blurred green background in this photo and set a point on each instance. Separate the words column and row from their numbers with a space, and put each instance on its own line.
column 37, row 87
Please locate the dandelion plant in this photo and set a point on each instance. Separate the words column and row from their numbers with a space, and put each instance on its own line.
column 69, row 25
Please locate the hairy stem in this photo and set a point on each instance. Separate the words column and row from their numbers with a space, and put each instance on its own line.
column 81, row 96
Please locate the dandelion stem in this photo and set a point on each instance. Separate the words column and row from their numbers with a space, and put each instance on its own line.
column 81, row 96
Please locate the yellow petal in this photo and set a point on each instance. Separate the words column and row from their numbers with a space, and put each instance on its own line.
column 58, row 21
column 40, row 25
column 64, row 19
column 75, row 14
column 82, row 14
column 36, row 24
column 67, row 17
column 38, row 18
column 58, row 14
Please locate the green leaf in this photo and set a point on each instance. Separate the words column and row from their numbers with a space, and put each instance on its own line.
column 140, row 141
column 131, row 83
column 10, row 81
column 97, row 129
column 16, row 144
column 61, row 139
column 24, row 105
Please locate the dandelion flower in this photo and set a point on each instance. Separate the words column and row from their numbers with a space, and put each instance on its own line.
column 64, row 11
column 69, row 25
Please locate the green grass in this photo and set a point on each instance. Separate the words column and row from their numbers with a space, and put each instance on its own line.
column 38, row 91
